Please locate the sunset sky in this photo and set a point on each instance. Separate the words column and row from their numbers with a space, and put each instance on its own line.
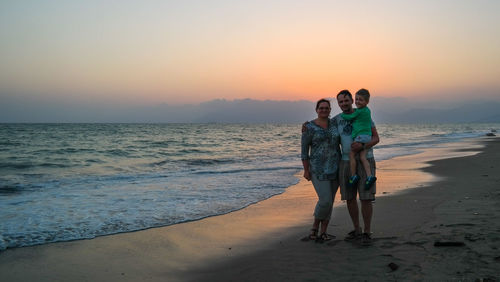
column 152, row 52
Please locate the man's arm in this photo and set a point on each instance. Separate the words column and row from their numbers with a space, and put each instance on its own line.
column 356, row 147
column 304, row 127
column 375, row 139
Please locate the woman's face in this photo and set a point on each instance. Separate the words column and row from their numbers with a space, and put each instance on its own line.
column 323, row 110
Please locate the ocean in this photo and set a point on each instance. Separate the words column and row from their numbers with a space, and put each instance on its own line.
column 62, row 182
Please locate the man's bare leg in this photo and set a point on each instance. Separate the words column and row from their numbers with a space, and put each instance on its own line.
column 352, row 207
column 367, row 212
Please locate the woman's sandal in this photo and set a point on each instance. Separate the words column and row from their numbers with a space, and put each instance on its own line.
column 314, row 234
column 324, row 237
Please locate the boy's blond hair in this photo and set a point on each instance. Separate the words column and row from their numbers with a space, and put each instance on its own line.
column 364, row 93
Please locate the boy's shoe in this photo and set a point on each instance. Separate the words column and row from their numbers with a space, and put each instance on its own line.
column 369, row 182
column 353, row 181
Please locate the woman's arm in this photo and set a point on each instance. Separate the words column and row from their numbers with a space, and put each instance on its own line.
column 306, row 141
column 307, row 173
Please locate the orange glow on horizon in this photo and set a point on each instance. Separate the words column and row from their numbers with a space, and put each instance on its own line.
column 181, row 53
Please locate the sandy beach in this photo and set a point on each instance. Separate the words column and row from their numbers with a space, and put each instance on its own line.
column 441, row 195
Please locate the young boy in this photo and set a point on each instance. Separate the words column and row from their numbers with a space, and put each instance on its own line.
column 362, row 133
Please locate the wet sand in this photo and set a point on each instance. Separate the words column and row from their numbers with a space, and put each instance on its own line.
column 455, row 199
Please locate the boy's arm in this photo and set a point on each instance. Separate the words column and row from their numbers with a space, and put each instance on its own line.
column 350, row 116
column 358, row 112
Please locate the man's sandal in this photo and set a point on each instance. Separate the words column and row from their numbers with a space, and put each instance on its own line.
column 353, row 235
column 366, row 239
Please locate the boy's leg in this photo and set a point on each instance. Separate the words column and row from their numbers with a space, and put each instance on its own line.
column 370, row 178
column 354, row 179
column 364, row 161
column 352, row 162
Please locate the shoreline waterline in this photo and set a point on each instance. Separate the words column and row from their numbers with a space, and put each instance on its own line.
column 385, row 188
column 177, row 248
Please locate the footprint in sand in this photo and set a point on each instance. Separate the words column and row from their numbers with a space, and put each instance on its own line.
column 416, row 243
column 460, row 224
column 389, row 245
column 334, row 242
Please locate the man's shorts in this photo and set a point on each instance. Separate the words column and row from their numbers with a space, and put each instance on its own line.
column 363, row 139
column 349, row 193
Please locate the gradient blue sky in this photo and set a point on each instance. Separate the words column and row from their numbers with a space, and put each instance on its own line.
column 153, row 52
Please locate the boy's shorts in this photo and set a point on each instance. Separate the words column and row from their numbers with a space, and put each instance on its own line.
column 350, row 193
column 363, row 139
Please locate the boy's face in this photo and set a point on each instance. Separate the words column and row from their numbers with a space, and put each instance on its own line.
column 361, row 102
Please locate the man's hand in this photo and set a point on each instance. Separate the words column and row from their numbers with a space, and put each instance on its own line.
column 356, row 147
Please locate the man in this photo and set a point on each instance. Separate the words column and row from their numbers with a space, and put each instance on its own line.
column 345, row 101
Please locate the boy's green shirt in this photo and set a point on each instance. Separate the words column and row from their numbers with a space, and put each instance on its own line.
column 362, row 121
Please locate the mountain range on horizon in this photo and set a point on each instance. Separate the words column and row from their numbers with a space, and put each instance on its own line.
column 384, row 110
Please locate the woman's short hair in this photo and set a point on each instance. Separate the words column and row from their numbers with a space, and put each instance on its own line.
column 321, row 101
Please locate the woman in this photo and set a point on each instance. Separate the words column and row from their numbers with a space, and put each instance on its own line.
column 320, row 158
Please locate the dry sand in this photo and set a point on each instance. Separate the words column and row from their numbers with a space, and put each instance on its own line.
column 458, row 202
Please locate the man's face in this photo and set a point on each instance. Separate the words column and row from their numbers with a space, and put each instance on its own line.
column 345, row 103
